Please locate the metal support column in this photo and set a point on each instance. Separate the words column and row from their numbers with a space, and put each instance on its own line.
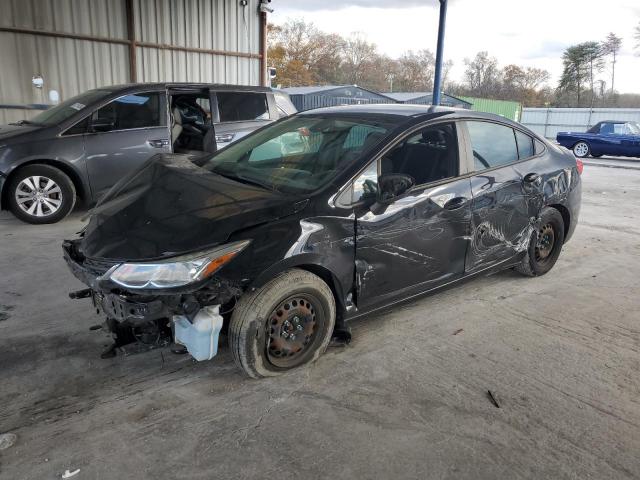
column 437, row 78
column 131, row 35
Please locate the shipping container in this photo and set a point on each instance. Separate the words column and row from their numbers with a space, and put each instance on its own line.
column 508, row 109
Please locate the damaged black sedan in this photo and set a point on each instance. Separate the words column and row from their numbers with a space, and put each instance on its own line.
column 319, row 218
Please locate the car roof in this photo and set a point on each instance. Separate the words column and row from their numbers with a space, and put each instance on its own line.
column 125, row 87
column 406, row 112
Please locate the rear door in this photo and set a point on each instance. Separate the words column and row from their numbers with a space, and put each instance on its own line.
column 419, row 240
column 122, row 135
column 240, row 113
column 506, row 193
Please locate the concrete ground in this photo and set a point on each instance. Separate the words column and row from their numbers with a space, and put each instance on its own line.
column 407, row 399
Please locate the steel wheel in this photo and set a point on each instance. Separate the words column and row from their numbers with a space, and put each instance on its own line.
column 291, row 330
column 545, row 243
column 38, row 196
column 581, row 149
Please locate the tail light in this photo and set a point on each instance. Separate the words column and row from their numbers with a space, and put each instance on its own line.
column 579, row 166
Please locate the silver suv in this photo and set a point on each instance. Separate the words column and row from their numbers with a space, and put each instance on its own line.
column 81, row 147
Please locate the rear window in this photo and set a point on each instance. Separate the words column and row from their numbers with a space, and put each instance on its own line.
column 493, row 144
column 242, row 106
column 525, row 145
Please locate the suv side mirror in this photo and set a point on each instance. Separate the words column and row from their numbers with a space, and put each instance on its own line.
column 394, row 184
column 102, row 125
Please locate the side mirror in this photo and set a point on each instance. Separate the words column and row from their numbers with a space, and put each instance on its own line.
column 394, row 184
column 102, row 125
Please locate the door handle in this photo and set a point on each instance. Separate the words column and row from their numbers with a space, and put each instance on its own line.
column 158, row 143
column 455, row 203
column 531, row 178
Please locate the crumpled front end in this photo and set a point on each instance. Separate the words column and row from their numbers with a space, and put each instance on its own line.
column 141, row 319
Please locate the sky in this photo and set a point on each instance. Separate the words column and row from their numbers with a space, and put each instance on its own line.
column 527, row 33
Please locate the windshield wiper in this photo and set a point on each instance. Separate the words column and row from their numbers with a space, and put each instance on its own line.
column 246, row 180
column 24, row 122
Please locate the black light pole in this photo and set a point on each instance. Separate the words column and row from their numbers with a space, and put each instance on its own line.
column 437, row 79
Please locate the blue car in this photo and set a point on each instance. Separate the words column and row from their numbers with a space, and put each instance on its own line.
column 610, row 137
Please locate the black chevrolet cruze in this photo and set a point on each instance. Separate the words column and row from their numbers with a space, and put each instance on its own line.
column 286, row 235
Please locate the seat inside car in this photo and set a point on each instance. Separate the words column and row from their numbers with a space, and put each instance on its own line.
column 429, row 158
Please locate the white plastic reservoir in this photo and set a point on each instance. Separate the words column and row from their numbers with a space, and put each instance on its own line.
column 201, row 336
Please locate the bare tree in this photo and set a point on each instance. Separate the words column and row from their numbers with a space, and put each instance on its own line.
column 481, row 74
column 636, row 36
column 415, row 71
column 358, row 55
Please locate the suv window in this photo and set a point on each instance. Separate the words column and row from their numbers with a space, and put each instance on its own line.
column 525, row 145
column 493, row 144
column 242, row 106
column 139, row 110
column 427, row 156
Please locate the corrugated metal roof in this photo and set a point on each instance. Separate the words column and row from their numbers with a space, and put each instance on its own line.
column 313, row 89
column 413, row 96
column 404, row 96
column 72, row 66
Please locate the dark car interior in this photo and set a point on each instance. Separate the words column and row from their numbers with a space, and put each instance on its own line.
column 428, row 156
column 192, row 130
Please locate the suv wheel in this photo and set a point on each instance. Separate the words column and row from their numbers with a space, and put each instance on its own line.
column 41, row 194
column 286, row 323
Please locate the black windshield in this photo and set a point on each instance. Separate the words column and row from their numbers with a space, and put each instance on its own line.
column 299, row 154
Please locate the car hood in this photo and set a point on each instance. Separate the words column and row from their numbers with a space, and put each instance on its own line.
column 171, row 206
column 11, row 132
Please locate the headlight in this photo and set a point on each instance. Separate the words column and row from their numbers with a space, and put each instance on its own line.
column 176, row 271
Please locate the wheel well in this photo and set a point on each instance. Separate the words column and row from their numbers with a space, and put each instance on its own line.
column 63, row 167
column 566, row 216
column 333, row 283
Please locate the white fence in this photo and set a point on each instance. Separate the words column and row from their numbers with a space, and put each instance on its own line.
column 549, row 121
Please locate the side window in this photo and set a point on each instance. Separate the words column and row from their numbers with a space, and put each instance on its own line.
column 427, row 156
column 619, row 129
column 366, row 185
column 242, row 106
column 493, row 144
column 79, row 128
column 606, row 128
column 140, row 110
column 525, row 145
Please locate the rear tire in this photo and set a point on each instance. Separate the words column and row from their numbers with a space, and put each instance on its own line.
column 285, row 324
column 545, row 245
column 581, row 149
column 41, row 194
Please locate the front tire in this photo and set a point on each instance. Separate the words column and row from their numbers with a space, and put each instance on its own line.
column 285, row 324
column 581, row 149
column 41, row 194
column 545, row 245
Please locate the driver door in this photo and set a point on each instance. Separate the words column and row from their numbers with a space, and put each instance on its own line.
column 123, row 135
column 417, row 240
